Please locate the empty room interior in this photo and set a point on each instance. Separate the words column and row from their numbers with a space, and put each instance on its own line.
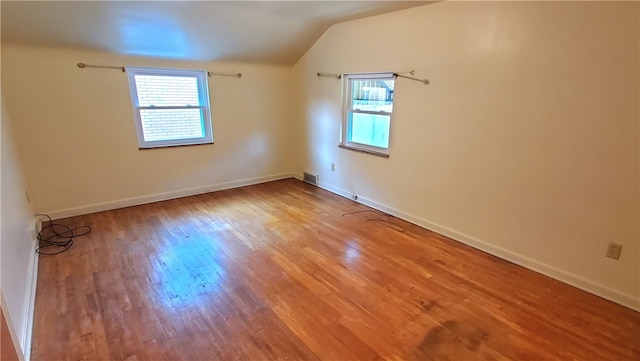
column 320, row 180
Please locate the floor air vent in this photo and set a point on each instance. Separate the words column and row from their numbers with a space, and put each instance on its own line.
column 310, row 178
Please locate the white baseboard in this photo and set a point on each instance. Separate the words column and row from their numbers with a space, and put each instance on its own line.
column 10, row 325
column 22, row 342
column 135, row 201
column 532, row 264
column 27, row 335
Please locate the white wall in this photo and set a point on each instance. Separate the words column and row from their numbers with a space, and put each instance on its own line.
column 78, row 143
column 17, row 248
column 525, row 144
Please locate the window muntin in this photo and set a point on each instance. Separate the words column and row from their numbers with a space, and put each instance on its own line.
column 368, row 108
column 171, row 107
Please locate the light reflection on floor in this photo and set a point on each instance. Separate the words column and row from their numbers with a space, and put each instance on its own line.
column 184, row 275
column 352, row 251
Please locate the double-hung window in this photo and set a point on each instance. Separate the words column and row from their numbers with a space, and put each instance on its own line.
column 171, row 106
column 368, row 106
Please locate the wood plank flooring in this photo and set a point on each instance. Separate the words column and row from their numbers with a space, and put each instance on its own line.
column 288, row 271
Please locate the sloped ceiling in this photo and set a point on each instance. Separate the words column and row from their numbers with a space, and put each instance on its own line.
column 272, row 32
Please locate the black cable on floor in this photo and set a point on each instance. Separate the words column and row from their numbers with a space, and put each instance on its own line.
column 58, row 235
column 396, row 227
column 356, row 212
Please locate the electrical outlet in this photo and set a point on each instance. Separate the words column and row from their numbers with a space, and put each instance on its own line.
column 38, row 224
column 333, row 167
column 35, row 231
column 614, row 250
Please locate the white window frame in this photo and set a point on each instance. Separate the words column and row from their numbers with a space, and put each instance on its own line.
column 347, row 109
column 204, row 106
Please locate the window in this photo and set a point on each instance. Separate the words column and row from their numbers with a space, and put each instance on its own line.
column 368, row 107
column 171, row 107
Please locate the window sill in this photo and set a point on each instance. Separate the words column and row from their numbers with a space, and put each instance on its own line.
column 174, row 145
column 367, row 151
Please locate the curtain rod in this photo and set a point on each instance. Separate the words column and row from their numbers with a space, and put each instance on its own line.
column 83, row 65
column 425, row 81
column 397, row 75
column 209, row 73
column 235, row 75
column 328, row 75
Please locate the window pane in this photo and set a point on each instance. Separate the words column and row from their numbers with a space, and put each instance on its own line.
column 170, row 124
column 154, row 90
column 372, row 95
column 369, row 129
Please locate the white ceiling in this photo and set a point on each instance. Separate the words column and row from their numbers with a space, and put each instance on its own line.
column 275, row 32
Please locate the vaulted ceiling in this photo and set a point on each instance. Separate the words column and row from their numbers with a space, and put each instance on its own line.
column 273, row 32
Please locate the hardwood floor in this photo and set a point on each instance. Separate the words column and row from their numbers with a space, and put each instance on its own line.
column 285, row 270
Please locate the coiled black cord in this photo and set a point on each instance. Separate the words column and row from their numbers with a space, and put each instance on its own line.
column 56, row 238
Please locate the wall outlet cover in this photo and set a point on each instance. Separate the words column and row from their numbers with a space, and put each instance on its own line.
column 614, row 250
